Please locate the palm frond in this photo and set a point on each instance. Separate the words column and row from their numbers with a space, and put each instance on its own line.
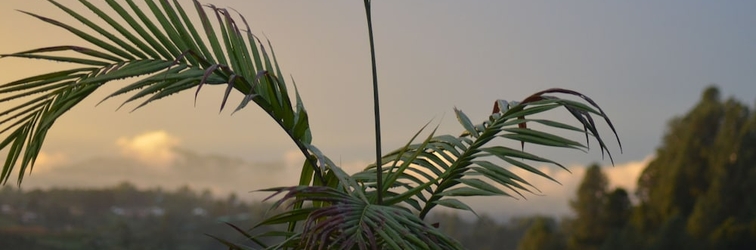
column 440, row 168
column 170, row 55
column 341, row 213
column 350, row 222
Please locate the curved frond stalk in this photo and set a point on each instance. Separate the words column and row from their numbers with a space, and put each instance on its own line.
column 171, row 54
column 376, row 100
column 441, row 168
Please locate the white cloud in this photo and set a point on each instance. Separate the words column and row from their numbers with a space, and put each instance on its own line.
column 293, row 159
column 47, row 161
column 622, row 175
column 154, row 148
column 626, row 175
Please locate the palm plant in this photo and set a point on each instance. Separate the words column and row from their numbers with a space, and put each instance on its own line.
column 382, row 206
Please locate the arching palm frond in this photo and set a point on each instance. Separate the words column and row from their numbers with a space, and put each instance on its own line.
column 347, row 219
column 441, row 168
column 171, row 53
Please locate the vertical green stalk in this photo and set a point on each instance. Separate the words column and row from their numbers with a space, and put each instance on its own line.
column 376, row 108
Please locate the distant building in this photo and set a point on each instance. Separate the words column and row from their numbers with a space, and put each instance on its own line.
column 140, row 212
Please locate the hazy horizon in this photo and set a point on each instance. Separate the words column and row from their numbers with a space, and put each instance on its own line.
column 157, row 159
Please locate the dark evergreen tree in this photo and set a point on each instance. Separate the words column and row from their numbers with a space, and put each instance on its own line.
column 587, row 230
column 725, row 213
column 616, row 210
column 614, row 216
column 672, row 182
column 698, row 192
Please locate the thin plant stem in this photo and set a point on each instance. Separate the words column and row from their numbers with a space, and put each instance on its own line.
column 376, row 108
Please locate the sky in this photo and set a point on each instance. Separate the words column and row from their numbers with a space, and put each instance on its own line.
column 644, row 62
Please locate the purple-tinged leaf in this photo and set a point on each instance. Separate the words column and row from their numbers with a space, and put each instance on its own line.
column 208, row 72
column 230, row 86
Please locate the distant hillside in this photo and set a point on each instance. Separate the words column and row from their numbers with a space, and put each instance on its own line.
column 121, row 217
column 221, row 174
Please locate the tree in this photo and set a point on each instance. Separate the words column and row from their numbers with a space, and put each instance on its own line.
column 588, row 229
column 542, row 235
column 380, row 207
column 615, row 214
column 616, row 209
column 600, row 215
column 726, row 211
column 681, row 162
column 697, row 193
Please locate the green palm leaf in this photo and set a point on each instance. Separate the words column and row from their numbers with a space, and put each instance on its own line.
column 169, row 52
column 443, row 167
column 350, row 222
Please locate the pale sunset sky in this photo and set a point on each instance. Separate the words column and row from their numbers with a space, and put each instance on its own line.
column 642, row 61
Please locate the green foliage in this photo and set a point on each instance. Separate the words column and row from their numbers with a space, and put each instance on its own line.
column 682, row 161
column 698, row 190
column 586, row 230
column 380, row 207
column 432, row 171
column 601, row 215
column 178, row 60
column 542, row 235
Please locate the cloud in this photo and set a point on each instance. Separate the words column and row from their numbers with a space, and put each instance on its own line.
column 47, row 161
column 154, row 148
column 626, row 175
column 622, row 175
column 293, row 159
